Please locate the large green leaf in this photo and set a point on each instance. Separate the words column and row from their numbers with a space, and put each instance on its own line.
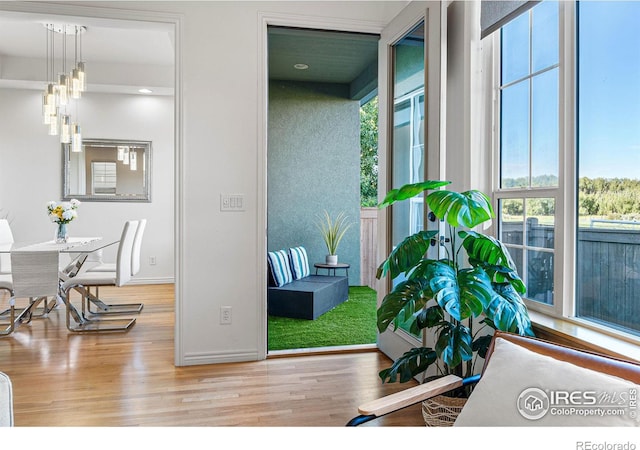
column 410, row 364
column 428, row 318
column 462, row 293
column 410, row 190
column 481, row 345
column 460, row 209
column 402, row 302
column 406, row 254
column 490, row 254
column 507, row 311
column 454, row 344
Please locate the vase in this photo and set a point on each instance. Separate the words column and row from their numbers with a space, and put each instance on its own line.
column 61, row 234
column 331, row 260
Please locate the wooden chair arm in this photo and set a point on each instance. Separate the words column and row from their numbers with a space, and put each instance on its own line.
column 411, row 396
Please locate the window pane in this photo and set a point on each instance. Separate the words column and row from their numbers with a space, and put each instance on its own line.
column 608, row 246
column 515, row 49
column 408, row 156
column 541, row 222
column 544, row 130
column 527, row 229
column 512, row 219
column 514, row 131
column 544, row 39
column 540, row 276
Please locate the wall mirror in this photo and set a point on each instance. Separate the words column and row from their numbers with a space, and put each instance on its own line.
column 107, row 170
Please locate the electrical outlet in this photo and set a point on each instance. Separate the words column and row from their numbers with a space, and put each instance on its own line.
column 152, row 260
column 225, row 315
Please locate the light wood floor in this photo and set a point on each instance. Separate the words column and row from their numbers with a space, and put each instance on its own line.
column 129, row 379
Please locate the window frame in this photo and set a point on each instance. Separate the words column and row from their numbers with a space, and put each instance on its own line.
column 560, row 317
column 566, row 216
column 563, row 255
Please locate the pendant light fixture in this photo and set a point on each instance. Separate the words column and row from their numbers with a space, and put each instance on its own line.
column 66, row 87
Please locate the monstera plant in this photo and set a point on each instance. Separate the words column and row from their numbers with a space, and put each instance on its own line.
column 474, row 285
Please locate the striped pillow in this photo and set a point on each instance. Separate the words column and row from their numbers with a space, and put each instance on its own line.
column 280, row 267
column 299, row 262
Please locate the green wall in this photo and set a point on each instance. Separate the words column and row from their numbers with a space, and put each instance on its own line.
column 313, row 164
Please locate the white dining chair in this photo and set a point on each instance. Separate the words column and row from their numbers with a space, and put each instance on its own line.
column 6, row 237
column 6, row 284
column 34, row 277
column 122, row 308
column 84, row 280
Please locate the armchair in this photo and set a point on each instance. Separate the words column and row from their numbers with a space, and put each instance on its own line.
column 531, row 382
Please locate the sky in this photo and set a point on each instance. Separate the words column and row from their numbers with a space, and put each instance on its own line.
column 608, row 91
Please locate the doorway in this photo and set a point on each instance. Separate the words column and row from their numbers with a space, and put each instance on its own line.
column 317, row 82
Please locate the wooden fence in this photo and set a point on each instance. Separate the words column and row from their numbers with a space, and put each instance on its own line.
column 368, row 246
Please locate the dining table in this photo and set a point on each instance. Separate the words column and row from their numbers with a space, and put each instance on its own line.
column 77, row 248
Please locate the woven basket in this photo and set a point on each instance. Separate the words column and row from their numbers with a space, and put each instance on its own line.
column 442, row 411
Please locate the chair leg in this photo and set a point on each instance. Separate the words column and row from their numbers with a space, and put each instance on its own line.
column 103, row 308
column 24, row 315
column 11, row 326
column 86, row 325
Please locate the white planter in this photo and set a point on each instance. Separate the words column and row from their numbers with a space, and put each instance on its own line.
column 332, row 260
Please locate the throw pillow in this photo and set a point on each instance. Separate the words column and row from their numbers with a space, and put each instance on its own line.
column 280, row 267
column 522, row 388
column 299, row 262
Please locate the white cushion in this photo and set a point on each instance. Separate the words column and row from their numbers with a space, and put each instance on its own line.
column 280, row 267
column 6, row 401
column 516, row 381
column 299, row 262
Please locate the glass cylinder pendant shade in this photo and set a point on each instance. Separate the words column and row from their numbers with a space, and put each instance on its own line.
column 63, row 89
column 65, row 129
column 53, row 124
column 46, row 115
column 82, row 76
column 76, row 138
column 133, row 160
column 75, row 88
column 49, row 103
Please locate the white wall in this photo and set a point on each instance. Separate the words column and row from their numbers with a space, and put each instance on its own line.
column 221, row 257
column 31, row 162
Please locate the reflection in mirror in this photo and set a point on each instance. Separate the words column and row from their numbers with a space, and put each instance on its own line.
column 108, row 170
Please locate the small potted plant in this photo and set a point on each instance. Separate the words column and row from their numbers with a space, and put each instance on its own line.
column 333, row 231
column 474, row 288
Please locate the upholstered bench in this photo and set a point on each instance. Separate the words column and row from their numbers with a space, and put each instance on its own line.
column 6, row 401
column 308, row 297
column 295, row 293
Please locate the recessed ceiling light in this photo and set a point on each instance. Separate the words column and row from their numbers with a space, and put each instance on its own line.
column 145, row 91
column 301, row 66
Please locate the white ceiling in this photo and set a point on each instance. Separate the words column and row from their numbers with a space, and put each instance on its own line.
column 123, row 56
column 120, row 55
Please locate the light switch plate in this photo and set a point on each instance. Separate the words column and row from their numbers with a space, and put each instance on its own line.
column 231, row 202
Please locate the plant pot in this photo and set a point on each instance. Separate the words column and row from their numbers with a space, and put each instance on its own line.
column 332, row 260
column 442, row 411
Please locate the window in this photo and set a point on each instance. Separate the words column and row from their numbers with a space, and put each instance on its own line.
column 568, row 183
column 529, row 145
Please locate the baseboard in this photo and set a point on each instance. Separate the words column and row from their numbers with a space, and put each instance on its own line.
column 196, row 359
column 160, row 280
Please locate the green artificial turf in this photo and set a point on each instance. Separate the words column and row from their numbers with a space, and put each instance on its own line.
column 350, row 323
